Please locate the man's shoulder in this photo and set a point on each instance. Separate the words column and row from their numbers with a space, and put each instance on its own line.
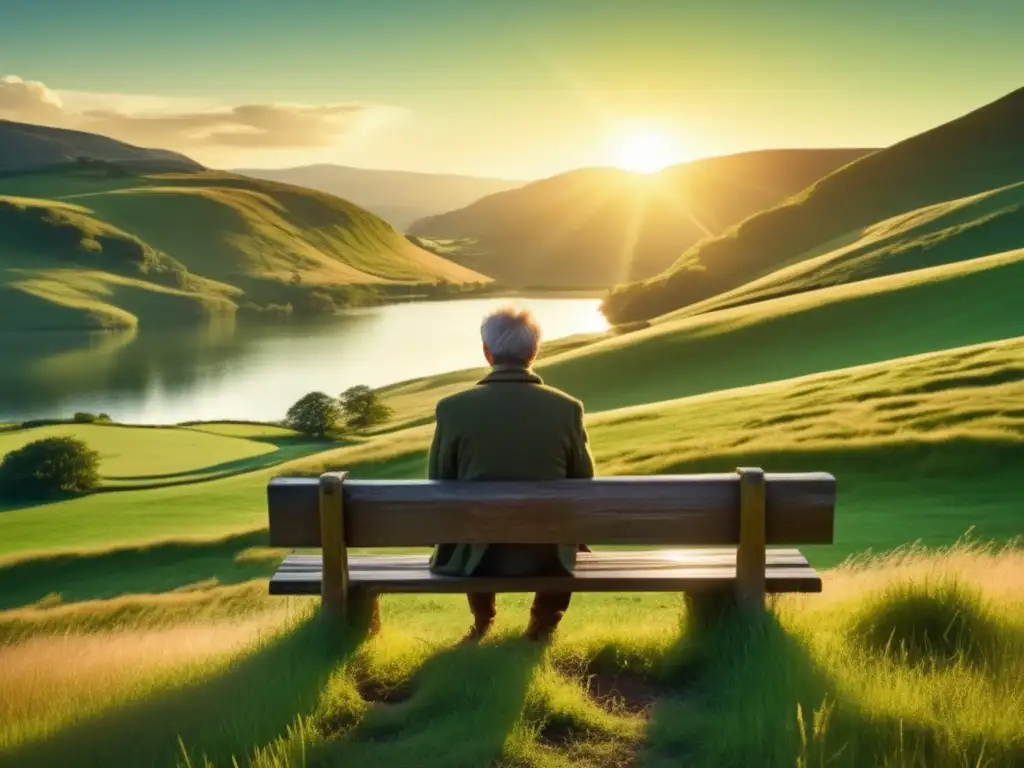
column 473, row 395
column 458, row 400
column 559, row 396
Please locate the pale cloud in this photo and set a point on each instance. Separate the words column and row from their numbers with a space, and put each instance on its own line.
column 30, row 101
column 197, row 126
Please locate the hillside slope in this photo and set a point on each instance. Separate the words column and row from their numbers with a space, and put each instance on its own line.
column 398, row 197
column 24, row 146
column 955, row 230
column 983, row 150
column 870, row 321
column 597, row 227
column 95, row 246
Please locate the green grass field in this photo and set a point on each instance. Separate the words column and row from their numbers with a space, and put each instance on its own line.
column 147, row 456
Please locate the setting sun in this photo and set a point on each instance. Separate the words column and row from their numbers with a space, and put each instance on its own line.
column 646, row 151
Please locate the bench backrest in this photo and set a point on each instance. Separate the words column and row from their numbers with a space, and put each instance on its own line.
column 662, row 509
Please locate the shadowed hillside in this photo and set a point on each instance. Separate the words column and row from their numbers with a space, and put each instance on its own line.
column 24, row 147
column 398, row 197
column 983, row 150
column 596, row 227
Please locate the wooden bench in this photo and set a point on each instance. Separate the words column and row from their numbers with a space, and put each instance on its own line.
column 731, row 517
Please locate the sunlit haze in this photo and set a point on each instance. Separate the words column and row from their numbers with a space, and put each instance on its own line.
column 647, row 150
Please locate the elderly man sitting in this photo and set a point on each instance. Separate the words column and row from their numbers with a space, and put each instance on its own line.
column 510, row 426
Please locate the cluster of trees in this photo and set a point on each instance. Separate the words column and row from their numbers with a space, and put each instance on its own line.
column 318, row 413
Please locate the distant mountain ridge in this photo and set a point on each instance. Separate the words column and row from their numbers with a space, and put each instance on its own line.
column 398, row 197
column 596, row 227
column 27, row 147
column 978, row 152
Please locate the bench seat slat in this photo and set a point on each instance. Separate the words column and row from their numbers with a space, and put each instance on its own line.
column 633, row 571
column 639, row 558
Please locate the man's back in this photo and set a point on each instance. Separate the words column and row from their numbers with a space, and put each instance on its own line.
column 510, row 427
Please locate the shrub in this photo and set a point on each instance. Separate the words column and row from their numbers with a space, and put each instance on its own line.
column 84, row 417
column 49, row 466
column 314, row 414
column 363, row 407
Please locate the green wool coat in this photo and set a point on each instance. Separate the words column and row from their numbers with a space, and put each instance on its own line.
column 510, row 426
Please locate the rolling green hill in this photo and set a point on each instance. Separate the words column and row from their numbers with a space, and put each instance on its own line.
column 979, row 152
column 956, row 230
column 24, row 146
column 962, row 303
column 596, row 227
column 95, row 245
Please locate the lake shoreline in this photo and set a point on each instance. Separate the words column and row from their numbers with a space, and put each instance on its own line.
column 254, row 369
column 270, row 317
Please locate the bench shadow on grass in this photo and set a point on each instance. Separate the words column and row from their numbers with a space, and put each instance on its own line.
column 248, row 704
column 733, row 693
column 148, row 569
column 456, row 712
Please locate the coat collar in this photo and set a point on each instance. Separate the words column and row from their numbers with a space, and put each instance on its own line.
column 511, row 373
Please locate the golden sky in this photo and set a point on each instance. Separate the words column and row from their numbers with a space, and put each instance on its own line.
column 518, row 90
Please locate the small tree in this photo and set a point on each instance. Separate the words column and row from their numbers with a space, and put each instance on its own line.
column 84, row 417
column 363, row 407
column 314, row 414
column 49, row 466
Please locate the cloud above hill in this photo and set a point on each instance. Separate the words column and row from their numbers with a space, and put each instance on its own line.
column 190, row 125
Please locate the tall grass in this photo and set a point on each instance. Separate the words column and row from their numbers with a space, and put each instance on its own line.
column 912, row 660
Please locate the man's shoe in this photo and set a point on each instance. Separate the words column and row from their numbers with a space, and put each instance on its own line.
column 540, row 633
column 476, row 633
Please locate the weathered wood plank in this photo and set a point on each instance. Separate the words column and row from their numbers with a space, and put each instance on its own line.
column 661, row 509
column 784, row 573
column 669, row 558
column 778, row 580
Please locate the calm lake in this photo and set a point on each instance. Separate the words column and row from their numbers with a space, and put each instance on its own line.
column 245, row 371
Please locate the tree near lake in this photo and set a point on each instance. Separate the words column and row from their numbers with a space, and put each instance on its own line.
column 48, row 467
column 314, row 414
column 363, row 407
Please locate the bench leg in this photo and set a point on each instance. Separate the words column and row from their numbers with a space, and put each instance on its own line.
column 364, row 610
column 709, row 608
column 360, row 611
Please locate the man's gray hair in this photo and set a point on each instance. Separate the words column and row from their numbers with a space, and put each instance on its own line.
column 512, row 336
